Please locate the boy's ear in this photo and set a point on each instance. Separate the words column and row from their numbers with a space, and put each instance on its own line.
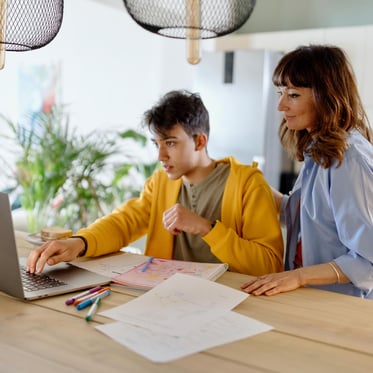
column 201, row 141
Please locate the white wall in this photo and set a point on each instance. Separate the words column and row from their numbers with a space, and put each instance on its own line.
column 236, row 112
column 357, row 41
column 112, row 69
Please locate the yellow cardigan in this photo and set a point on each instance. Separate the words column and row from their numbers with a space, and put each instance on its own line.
column 248, row 237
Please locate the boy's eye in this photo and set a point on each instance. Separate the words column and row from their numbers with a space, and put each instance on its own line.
column 170, row 143
column 293, row 95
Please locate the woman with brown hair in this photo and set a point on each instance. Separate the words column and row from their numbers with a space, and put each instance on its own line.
column 329, row 213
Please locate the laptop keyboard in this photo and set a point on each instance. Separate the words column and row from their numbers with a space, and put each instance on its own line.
column 35, row 281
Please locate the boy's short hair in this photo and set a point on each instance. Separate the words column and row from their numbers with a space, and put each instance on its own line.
column 178, row 107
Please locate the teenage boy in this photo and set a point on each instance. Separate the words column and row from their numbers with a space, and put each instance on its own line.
column 196, row 208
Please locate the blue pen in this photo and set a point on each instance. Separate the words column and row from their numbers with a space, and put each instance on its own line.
column 147, row 264
column 89, row 301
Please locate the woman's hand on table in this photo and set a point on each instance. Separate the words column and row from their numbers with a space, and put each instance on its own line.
column 273, row 283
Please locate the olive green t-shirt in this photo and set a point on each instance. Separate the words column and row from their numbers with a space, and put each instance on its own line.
column 204, row 199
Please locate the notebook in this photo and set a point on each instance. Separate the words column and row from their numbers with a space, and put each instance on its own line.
column 154, row 271
column 61, row 278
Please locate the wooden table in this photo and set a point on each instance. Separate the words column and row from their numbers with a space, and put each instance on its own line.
column 314, row 331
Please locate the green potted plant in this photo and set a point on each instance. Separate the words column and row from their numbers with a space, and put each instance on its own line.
column 68, row 179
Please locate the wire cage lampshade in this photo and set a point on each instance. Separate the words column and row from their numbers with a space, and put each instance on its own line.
column 190, row 19
column 29, row 24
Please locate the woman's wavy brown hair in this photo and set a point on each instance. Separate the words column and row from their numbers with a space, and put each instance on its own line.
column 327, row 71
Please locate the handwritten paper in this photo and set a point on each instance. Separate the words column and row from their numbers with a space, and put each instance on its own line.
column 161, row 348
column 191, row 299
column 181, row 316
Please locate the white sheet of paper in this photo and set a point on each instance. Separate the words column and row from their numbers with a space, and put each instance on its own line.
column 162, row 348
column 111, row 265
column 178, row 304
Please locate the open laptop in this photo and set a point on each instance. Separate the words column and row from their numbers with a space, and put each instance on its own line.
column 61, row 278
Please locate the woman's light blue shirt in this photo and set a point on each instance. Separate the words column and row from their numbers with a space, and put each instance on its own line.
column 336, row 216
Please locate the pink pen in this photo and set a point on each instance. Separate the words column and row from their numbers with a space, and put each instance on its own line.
column 87, row 292
column 89, row 296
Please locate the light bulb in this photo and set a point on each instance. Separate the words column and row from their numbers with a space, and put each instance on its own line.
column 193, row 33
column 2, row 32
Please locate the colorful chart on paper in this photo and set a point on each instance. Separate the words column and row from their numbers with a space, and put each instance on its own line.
column 161, row 269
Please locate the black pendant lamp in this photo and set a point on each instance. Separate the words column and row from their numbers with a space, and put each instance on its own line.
column 28, row 24
column 190, row 19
